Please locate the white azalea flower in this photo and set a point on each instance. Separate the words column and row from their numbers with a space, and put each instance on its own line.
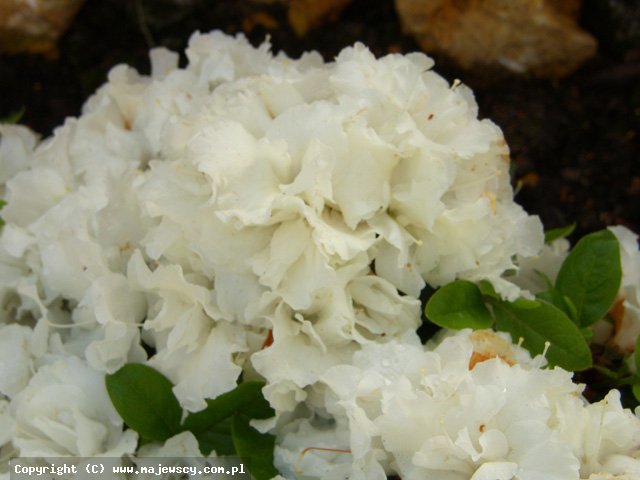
column 476, row 406
column 313, row 448
column 533, row 270
column 6, row 436
column 65, row 411
column 628, row 316
column 6, row 423
column 16, row 144
column 287, row 375
column 277, row 218
column 181, row 450
column 111, row 303
column 268, row 174
column 181, row 445
column 15, row 359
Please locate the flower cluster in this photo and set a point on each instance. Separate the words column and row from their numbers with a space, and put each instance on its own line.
column 471, row 406
column 255, row 214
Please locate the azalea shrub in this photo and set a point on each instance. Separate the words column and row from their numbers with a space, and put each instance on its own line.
column 316, row 266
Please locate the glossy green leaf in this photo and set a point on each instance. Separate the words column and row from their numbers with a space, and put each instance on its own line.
column 458, row 305
column 587, row 333
column 590, row 276
column 144, row 399
column 245, row 398
column 561, row 232
column 253, row 447
column 217, row 438
column 564, row 303
column 538, row 322
column 637, row 355
column 487, row 289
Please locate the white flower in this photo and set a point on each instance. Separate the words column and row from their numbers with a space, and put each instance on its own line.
column 476, row 406
column 267, row 181
column 188, row 333
column 111, row 302
column 6, row 423
column 181, row 449
column 65, row 411
column 610, row 440
column 259, row 215
column 182, row 445
column 314, row 448
column 628, row 315
column 16, row 144
column 15, row 359
column 6, row 435
column 533, row 270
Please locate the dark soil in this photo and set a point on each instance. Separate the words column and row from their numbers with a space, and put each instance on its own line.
column 575, row 143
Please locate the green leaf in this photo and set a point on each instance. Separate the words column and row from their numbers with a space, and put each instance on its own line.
column 212, row 426
column 587, row 333
column 636, row 391
column 561, row 232
column 538, row 322
column 564, row 303
column 487, row 289
column 590, row 276
column 144, row 399
column 458, row 305
column 259, row 408
column 14, row 117
column 637, row 355
column 253, row 447
column 246, row 398
column 217, row 438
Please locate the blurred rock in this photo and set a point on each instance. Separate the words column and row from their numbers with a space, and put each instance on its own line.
column 259, row 19
column 534, row 37
column 305, row 15
column 34, row 26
